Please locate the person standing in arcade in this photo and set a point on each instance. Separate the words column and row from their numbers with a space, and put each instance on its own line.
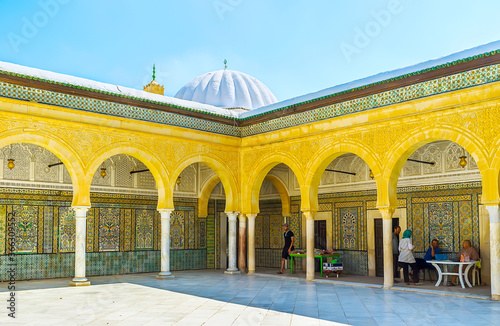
column 289, row 240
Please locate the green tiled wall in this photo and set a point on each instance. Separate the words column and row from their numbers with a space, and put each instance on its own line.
column 42, row 266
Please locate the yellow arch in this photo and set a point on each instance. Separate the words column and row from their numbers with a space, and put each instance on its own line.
column 283, row 192
column 152, row 162
column 205, row 195
column 251, row 188
column 225, row 174
column 58, row 147
column 317, row 166
column 402, row 150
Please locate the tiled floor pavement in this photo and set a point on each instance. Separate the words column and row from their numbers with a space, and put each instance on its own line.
column 212, row 298
column 482, row 291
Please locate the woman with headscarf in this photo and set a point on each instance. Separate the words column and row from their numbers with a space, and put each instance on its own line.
column 406, row 258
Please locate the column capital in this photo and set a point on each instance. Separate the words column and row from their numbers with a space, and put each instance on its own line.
column 232, row 215
column 493, row 212
column 251, row 216
column 165, row 213
column 309, row 214
column 81, row 211
column 387, row 212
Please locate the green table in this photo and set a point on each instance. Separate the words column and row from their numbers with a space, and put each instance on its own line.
column 335, row 255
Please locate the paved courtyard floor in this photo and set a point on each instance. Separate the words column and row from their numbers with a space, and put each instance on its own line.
column 212, row 298
column 481, row 291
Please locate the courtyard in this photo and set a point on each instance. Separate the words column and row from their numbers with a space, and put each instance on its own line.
column 208, row 297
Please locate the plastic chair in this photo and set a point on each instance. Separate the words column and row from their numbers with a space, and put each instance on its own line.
column 428, row 273
column 476, row 274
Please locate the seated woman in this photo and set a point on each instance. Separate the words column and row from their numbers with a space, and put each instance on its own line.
column 406, row 258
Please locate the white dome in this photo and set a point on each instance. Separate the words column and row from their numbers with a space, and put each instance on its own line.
column 227, row 89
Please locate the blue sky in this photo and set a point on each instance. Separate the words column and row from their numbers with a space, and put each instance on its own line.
column 294, row 47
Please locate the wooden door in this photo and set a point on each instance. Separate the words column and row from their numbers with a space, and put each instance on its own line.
column 379, row 247
column 320, row 235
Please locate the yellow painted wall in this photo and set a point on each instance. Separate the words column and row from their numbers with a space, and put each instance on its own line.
column 384, row 138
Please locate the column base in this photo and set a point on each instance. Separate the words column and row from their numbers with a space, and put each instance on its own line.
column 250, row 272
column 165, row 276
column 79, row 282
column 232, row 272
column 495, row 297
column 388, row 286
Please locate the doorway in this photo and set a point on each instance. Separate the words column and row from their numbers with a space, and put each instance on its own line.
column 379, row 244
column 319, row 240
column 224, row 249
column 320, row 235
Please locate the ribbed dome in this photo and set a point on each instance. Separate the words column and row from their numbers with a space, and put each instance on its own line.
column 227, row 89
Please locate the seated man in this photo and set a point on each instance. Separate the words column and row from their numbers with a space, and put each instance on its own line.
column 432, row 251
column 429, row 255
column 469, row 250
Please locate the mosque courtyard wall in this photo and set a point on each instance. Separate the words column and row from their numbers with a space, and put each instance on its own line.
column 383, row 128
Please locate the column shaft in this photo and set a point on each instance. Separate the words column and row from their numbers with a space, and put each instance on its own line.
column 251, row 243
column 165, row 273
column 309, row 245
column 387, row 245
column 242, row 249
column 81, row 234
column 232, row 269
column 494, row 251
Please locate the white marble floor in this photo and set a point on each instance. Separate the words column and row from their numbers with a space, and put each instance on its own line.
column 212, row 298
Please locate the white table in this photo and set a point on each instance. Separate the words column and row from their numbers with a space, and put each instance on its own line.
column 460, row 274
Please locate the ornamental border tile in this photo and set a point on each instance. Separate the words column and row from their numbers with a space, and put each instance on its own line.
column 471, row 78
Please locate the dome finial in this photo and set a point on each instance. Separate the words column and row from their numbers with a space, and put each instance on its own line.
column 225, row 64
column 153, row 86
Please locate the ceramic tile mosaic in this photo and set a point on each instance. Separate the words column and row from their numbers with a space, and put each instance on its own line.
column 446, row 84
column 26, row 226
column 268, row 225
column 202, row 232
column 451, row 219
column 3, row 228
column 355, row 262
column 67, row 231
column 349, row 218
column 40, row 266
column 114, row 109
column 177, row 230
column 144, row 229
column 267, row 258
column 448, row 212
column 109, row 229
column 50, row 214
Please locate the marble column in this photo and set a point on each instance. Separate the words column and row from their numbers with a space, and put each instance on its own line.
column 242, row 248
column 232, row 269
column 493, row 211
column 387, row 246
column 81, row 235
column 309, row 244
column 251, row 243
column 165, row 273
